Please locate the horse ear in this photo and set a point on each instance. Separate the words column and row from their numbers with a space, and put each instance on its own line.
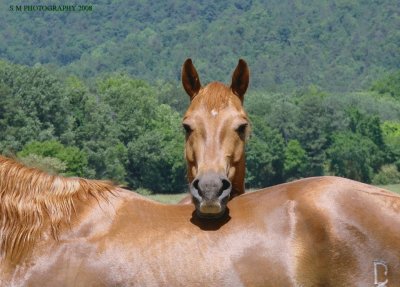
column 190, row 79
column 240, row 79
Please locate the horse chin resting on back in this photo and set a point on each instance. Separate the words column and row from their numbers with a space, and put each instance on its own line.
column 216, row 127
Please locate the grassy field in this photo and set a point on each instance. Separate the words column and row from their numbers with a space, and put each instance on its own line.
column 391, row 187
column 167, row 198
column 175, row 198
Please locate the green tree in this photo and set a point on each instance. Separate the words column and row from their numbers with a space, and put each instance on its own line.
column 388, row 85
column 353, row 156
column 339, row 45
column 391, row 136
column 50, row 165
column 388, row 174
column 315, row 122
column 33, row 106
column 296, row 161
column 156, row 157
column 368, row 126
column 132, row 103
column 128, row 136
column 97, row 134
column 75, row 160
column 264, row 155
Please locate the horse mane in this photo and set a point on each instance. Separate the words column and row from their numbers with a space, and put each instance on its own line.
column 215, row 96
column 33, row 202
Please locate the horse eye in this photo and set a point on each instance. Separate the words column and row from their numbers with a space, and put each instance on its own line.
column 241, row 130
column 187, row 129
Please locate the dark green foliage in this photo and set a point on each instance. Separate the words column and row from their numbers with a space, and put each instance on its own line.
column 278, row 110
column 33, row 106
column 368, row 126
column 118, row 117
column 124, row 129
column 116, row 130
column 264, row 155
column 388, row 85
column 309, row 117
column 391, row 136
column 74, row 159
column 353, row 156
column 338, row 45
column 173, row 96
column 314, row 126
column 296, row 161
column 51, row 165
column 388, row 174
column 96, row 134
column 156, row 156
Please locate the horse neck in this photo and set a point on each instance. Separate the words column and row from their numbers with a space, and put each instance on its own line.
column 238, row 180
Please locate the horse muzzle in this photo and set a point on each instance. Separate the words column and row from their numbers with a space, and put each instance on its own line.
column 211, row 193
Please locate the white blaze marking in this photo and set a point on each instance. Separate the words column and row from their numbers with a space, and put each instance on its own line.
column 214, row 113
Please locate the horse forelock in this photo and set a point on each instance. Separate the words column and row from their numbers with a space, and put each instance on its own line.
column 216, row 96
column 33, row 203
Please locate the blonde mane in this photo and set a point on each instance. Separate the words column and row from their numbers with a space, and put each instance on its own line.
column 32, row 202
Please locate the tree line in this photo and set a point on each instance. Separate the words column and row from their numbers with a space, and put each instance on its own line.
column 339, row 45
column 127, row 130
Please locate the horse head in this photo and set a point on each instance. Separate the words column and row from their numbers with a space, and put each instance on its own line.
column 216, row 127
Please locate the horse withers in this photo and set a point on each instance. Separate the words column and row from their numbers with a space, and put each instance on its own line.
column 216, row 127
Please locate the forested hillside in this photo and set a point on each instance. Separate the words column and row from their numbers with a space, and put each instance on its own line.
column 339, row 45
column 97, row 94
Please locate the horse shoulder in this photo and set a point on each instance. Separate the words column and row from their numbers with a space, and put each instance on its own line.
column 344, row 227
column 338, row 229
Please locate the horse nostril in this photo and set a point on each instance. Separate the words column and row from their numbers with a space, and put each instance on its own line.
column 196, row 184
column 210, row 186
column 225, row 184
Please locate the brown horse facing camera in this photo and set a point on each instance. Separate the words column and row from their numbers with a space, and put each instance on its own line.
column 216, row 128
column 324, row 231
